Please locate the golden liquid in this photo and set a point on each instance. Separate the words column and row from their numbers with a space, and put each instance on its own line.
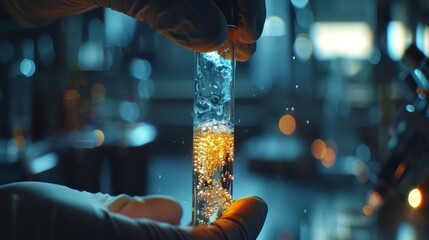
column 213, row 157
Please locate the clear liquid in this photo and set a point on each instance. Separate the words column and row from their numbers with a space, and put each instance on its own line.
column 213, row 157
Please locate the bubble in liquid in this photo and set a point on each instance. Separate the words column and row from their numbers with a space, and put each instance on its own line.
column 287, row 109
column 293, row 57
column 305, row 211
column 308, row 121
column 292, row 109
column 159, row 176
column 203, row 106
column 296, row 86
column 215, row 99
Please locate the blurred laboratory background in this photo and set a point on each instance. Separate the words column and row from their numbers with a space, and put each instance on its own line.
column 332, row 125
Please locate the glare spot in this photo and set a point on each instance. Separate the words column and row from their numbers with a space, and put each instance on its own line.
column 303, row 47
column 410, row 108
column 27, row 67
column 398, row 37
column 415, row 198
column 129, row 111
column 367, row 210
column 91, row 56
column 317, row 147
column 333, row 40
column 140, row 135
column 99, row 136
column 140, row 68
column 328, row 157
column 287, row 124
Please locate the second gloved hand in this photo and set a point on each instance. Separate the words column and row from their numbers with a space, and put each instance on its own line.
column 198, row 25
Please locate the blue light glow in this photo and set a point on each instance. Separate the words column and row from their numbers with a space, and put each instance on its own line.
column 129, row 111
column 27, row 67
column 140, row 68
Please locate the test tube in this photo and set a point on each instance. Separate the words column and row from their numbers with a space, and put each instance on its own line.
column 213, row 126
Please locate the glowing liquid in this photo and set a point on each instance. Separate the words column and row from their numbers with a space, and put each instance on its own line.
column 213, row 157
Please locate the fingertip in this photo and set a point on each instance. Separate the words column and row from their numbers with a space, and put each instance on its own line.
column 252, row 16
column 244, row 51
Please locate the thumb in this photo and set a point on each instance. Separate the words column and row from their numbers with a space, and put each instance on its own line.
column 243, row 220
column 158, row 208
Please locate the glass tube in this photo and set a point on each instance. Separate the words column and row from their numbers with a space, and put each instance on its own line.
column 213, row 142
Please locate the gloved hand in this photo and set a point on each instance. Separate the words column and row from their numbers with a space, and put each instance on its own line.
column 34, row 210
column 198, row 25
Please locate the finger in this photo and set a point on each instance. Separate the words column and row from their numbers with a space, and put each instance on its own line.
column 161, row 209
column 194, row 24
column 244, row 51
column 251, row 15
column 242, row 221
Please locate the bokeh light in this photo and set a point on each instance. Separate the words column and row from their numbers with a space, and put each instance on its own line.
column 100, row 137
column 129, row 111
column 328, row 157
column 27, row 67
column 415, row 198
column 287, row 124
column 317, row 147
